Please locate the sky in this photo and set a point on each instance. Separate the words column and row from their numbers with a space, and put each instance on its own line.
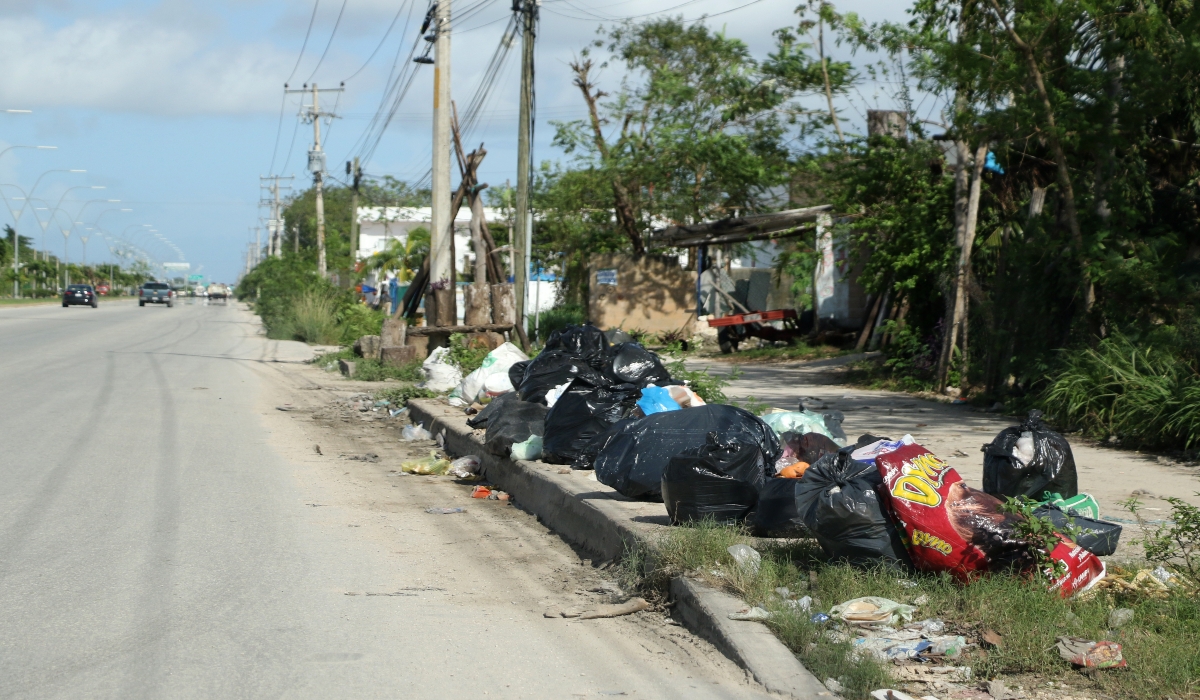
column 177, row 107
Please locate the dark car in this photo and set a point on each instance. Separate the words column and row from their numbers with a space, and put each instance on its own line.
column 80, row 294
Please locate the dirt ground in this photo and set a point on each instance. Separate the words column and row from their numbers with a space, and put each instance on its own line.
column 494, row 559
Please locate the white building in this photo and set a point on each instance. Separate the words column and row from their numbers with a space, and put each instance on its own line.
column 378, row 225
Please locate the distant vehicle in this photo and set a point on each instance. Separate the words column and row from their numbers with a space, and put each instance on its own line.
column 80, row 294
column 156, row 293
column 216, row 291
column 102, row 290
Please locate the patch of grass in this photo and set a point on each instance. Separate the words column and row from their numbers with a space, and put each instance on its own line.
column 313, row 319
column 870, row 374
column 797, row 351
column 328, row 360
column 400, row 395
column 376, row 371
column 468, row 355
column 1162, row 643
column 710, row 387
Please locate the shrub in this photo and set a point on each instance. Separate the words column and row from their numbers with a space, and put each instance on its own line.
column 558, row 318
column 469, row 356
column 314, row 318
column 1146, row 394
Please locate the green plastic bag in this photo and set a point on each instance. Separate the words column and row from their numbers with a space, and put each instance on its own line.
column 1083, row 505
column 429, row 466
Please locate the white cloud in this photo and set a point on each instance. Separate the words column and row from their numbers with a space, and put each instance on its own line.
column 130, row 64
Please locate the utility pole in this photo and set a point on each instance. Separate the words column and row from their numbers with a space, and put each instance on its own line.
column 316, row 163
column 355, row 172
column 275, row 223
column 442, row 234
column 521, row 238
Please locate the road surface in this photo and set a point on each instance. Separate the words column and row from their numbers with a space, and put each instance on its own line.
column 165, row 532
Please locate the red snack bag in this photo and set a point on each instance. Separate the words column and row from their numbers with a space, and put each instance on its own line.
column 949, row 526
column 1082, row 568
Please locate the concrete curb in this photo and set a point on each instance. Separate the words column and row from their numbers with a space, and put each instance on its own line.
column 601, row 520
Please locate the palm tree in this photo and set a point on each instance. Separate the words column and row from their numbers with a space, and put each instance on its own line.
column 404, row 257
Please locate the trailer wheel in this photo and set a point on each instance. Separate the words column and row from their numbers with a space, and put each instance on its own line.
column 727, row 341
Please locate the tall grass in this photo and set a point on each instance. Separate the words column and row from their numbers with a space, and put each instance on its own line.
column 1145, row 395
column 314, row 318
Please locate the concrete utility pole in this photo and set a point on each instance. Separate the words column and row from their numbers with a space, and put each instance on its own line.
column 522, row 236
column 442, row 227
column 316, row 164
column 275, row 223
column 355, row 172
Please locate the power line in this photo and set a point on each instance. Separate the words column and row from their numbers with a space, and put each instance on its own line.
column 381, row 41
column 278, row 133
column 316, row 4
column 329, row 43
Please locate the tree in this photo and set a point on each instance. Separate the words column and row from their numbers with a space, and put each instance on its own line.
column 404, row 257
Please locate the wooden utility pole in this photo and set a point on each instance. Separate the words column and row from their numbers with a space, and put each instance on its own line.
column 521, row 237
column 316, row 164
column 441, row 271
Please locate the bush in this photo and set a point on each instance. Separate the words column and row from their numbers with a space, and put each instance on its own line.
column 314, row 318
column 558, row 318
column 376, row 371
column 1146, row 394
column 707, row 386
column 357, row 320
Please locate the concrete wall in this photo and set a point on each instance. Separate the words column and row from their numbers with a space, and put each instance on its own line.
column 652, row 293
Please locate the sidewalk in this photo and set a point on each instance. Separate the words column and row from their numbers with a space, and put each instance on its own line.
column 956, row 433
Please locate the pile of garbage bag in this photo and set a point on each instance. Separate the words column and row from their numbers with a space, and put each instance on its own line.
column 614, row 408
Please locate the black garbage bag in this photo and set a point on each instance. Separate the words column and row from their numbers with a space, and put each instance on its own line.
column 630, row 363
column 836, row 501
column 585, row 342
column 582, row 414
column 632, row 455
column 480, row 420
column 718, row 480
column 1029, row 460
column 554, row 368
column 1099, row 537
column 514, row 422
column 517, row 372
column 805, row 447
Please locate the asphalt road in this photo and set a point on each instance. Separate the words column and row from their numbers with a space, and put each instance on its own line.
column 159, row 539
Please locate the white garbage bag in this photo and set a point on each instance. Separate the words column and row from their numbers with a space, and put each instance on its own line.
column 497, row 362
column 440, row 373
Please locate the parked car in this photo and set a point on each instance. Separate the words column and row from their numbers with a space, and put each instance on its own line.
column 76, row 294
column 102, row 289
column 156, row 293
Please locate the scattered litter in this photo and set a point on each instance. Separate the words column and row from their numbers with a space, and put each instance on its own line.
column 799, row 422
column 317, row 449
column 369, row 457
column 889, row 694
column 872, row 610
column 465, row 467
column 1119, row 618
column 1163, row 575
column 999, row 691
column 754, row 614
column 627, row 608
column 924, row 673
column 428, row 466
column 556, row 393
column 440, row 373
column 530, row 448
column 802, row 604
column 492, row 376
column 481, row 492
column 922, row 599
column 445, row 511
column 833, row 686
column 397, row 412
column 415, row 431
column 746, row 557
column 656, row 399
column 819, row 618
column 992, row 638
column 1089, row 654
column 285, row 407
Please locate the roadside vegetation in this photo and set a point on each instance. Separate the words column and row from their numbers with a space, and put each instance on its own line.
column 1159, row 643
